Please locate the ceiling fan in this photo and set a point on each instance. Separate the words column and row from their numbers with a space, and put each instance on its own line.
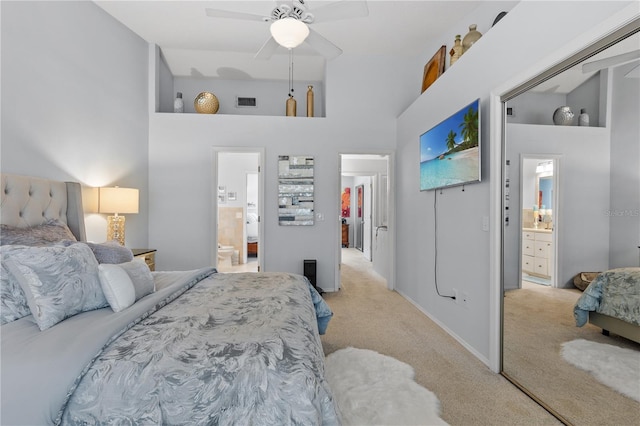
column 291, row 20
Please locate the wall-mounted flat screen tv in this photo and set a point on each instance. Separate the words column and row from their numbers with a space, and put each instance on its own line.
column 450, row 151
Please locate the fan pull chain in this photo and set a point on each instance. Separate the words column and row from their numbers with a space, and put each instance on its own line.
column 291, row 72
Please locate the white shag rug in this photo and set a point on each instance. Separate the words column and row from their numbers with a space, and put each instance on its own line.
column 375, row 389
column 613, row 366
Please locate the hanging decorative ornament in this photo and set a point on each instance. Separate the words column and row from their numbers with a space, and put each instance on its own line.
column 291, row 106
column 309, row 101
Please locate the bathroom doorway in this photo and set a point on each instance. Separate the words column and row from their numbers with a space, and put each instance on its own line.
column 237, row 205
column 539, row 208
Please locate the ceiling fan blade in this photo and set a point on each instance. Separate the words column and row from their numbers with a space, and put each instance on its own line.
column 217, row 13
column 267, row 49
column 322, row 45
column 340, row 10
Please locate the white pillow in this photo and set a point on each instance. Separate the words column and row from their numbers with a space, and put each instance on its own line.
column 117, row 286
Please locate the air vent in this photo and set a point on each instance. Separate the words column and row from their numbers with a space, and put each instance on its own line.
column 245, row 102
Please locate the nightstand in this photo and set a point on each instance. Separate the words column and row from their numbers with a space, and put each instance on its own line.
column 149, row 256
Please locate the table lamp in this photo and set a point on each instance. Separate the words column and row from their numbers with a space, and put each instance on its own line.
column 117, row 200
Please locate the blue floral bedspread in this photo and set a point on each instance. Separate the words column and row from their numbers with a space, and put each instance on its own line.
column 615, row 292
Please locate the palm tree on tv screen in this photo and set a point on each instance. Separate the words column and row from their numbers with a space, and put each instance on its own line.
column 451, row 140
column 470, row 127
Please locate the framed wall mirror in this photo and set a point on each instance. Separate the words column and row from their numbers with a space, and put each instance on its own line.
column 543, row 348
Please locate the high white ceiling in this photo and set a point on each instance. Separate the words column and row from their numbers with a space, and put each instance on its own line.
column 194, row 44
column 197, row 45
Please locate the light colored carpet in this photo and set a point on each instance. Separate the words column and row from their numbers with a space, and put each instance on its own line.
column 538, row 320
column 375, row 389
column 616, row 367
column 368, row 316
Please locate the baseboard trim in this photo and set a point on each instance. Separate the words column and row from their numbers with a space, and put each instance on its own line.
column 460, row 340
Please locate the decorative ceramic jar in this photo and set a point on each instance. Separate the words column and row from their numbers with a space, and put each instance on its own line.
column 456, row 50
column 563, row 116
column 309, row 101
column 206, row 103
column 472, row 36
column 583, row 118
column 291, row 106
column 178, row 103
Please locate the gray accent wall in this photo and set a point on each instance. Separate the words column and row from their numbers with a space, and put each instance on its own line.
column 624, row 207
column 74, row 102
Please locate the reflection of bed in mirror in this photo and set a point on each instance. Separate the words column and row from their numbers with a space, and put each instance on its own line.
column 612, row 302
column 252, row 234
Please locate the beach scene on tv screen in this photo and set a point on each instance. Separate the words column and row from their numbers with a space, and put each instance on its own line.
column 450, row 152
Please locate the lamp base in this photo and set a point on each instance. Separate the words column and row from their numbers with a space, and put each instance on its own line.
column 115, row 229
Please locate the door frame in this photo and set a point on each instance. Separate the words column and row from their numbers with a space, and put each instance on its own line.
column 391, row 214
column 216, row 151
column 557, row 208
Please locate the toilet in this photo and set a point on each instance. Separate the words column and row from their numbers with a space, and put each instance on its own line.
column 224, row 256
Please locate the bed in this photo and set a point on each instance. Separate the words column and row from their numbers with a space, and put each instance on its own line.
column 612, row 302
column 100, row 339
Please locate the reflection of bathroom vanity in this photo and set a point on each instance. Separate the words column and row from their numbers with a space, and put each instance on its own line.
column 539, row 192
column 537, row 252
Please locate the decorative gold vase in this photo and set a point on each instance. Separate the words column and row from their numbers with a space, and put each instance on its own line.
column 309, row 101
column 291, row 107
column 206, row 103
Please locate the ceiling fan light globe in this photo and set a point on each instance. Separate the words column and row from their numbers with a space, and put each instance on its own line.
column 289, row 32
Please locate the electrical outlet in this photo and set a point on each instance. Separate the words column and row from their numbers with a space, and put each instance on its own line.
column 455, row 295
column 464, row 299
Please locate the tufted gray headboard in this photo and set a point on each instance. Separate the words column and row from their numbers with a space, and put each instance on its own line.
column 30, row 201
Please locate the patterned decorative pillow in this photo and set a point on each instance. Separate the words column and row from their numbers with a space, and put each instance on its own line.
column 58, row 281
column 50, row 232
column 108, row 252
column 141, row 277
column 13, row 302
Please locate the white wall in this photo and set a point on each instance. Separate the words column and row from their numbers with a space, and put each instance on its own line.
column 583, row 175
column 624, row 207
column 507, row 52
column 74, row 102
column 180, row 166
column 587, row 97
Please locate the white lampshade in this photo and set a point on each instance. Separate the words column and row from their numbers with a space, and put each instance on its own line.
column 289, row 32
column 118, row 200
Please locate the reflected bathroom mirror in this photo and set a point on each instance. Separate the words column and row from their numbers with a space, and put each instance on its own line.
column 570, row 215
